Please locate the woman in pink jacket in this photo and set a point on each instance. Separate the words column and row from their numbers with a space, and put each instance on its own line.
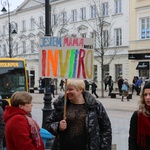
column 22, row 132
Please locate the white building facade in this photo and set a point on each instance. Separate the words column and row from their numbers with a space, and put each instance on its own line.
column 73, row 18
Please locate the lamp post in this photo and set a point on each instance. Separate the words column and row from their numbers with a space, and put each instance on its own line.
column 4, row 3
column 47, row 95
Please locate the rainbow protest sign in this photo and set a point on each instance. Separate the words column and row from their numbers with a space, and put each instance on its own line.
column 66, row 57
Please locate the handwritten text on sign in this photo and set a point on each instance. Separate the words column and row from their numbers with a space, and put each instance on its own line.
column 64, row 57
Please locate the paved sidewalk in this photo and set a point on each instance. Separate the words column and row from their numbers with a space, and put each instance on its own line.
column 108, row 102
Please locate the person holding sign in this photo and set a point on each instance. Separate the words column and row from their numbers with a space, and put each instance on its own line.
column 86, row 124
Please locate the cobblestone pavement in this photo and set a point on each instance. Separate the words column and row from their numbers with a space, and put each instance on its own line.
column 118, row 111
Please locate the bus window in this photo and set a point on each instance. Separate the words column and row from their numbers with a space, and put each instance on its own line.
column 13, row 76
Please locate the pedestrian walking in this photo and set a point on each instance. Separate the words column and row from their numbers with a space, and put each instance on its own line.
column 139, row 131
column 40, row 83
column 110, row 83
column 105, row 80
column 120, row 83
column 52, row 88
column 86, row 126
column 135, row 78
column 138, row 85
column 125, row 90
column 93, row 88
column 62, row 82
column 21, row 131
column 87, row 85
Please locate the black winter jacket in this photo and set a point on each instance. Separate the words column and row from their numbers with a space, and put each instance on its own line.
column 133, row 134
column 98, row 126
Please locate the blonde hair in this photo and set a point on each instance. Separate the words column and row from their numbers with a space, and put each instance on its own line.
column 20, row 98
column 79, row 84
column 142, row 104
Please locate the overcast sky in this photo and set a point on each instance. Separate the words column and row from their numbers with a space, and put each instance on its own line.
column 13, row 4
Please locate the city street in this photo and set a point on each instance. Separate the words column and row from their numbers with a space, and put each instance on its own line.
column 118, row 111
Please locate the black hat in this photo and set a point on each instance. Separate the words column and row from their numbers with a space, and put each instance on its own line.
column 147, row 85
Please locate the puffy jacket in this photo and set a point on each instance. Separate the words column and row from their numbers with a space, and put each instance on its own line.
column 98, row 126
column 18, row 130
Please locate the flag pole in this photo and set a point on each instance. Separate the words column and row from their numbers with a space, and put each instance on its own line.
column 65, row 100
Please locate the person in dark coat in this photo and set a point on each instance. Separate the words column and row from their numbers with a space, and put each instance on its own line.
column 52, row 88
column 135, row 78
column 86, row 125
column 120, row 83
column 105, row 80
column 110, row 83
column 87, row 85
column 93, row 88
column 139, row 131
column 40, row 83
column 138, row 85
column 62, row 82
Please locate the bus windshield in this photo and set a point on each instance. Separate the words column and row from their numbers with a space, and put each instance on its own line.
column 12, row 79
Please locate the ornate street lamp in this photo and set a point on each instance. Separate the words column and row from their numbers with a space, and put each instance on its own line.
column 10, row 27
column 47, row 95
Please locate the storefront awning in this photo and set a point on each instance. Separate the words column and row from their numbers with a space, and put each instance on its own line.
column 143, row 66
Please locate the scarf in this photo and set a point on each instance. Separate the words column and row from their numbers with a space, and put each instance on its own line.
column 34, row 131
column 143, row 129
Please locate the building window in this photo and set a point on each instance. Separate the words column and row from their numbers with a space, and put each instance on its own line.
column 144, row 73
column 16, row 49
column 73, row 35
column 105, row 38
column 118, row 37
column 106, row 69
column 93, row 11
column 83, row 35
column 74, row 15
column 32, row 23
column 105, row 9
column 95, row 73
column 92, row 35
column 4, row 30
column 118, row 8
column 4, row 48
column 23, row 25
column 118, row 71
column 145, row 28
column 24, row 46
column 83, row 13
column 64, row 17
column 32, row 46
column 41, row 22
column 54, row 19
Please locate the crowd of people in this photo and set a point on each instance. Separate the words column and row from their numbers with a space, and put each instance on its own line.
column 123, row 86
column 85, row 119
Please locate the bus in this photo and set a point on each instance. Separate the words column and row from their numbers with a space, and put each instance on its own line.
column 13, row 76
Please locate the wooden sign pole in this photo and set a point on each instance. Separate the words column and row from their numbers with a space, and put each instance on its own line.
column 65, row 100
